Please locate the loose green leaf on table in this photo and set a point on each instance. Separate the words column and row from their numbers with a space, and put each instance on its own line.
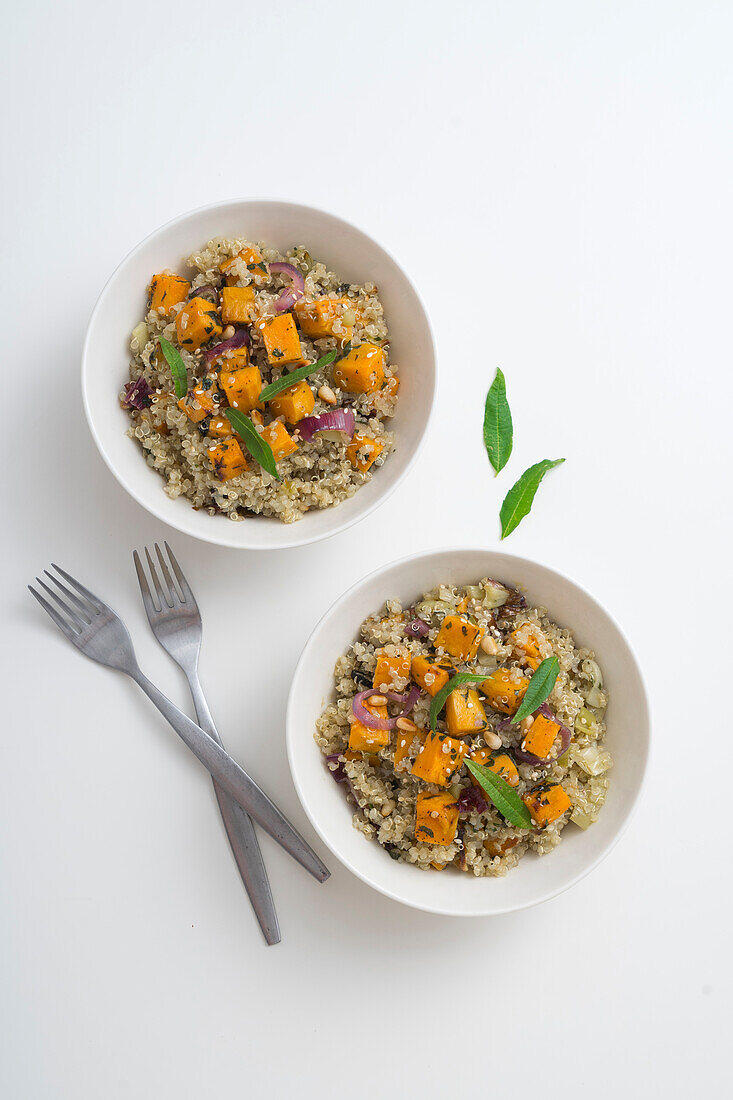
column 540, row 686
column 518, row 500
column 288, row 380
column 506, row 800
column 260, row 450
column 178, row 370
column 498, row 428
column 455, row 681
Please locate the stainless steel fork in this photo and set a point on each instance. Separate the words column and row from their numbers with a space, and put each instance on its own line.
column 100, row 634
column 175, row 620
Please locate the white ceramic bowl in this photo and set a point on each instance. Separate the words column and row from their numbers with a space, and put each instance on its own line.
column 535, row 879
column 347, row 250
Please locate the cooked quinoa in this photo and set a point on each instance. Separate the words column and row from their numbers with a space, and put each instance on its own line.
column 229, row 290
column 410, row 788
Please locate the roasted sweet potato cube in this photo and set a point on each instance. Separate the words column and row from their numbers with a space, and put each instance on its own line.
column 459, row 637
column 464, row 712
column 228, row 459
column 236, row 305
column 230, row 359
column 363, row 451
column 203, row 400
column 294, row 403
column 430, row 675
column 242, row 387
column 403, row 741
column 439, row 759
column 504, row 689
column 547, row 803
column 282, row 444
column 167, row 290
column 230, row 266
column 197, row 323
column 365, row 739
column 282, row 342
column 362, row 370
column 436, row 818
column 316, row 319
column 499, row 762
column 496, row 847
column 540, row 737
column 219, row 427
column 388, row 667
column 525, row 642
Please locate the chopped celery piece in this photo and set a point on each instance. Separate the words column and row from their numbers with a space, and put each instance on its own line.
column 434, row 609
column 139, row 336
column 495, row 595
column 581, row 819
column 592, row 759
column 586, row 724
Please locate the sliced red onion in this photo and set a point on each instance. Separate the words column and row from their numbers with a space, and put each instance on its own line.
column 292, row 294
column 471, row 801
column 340, row 422
column 416, row 628
column 339, row 773
column 207, row 291
column 565, row 739
column 372, row 721
column 137, row 394
column 240, row 339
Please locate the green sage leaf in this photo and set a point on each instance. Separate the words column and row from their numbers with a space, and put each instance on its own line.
column 498, row 428
column 288, row 380
column 504, row 797
column 259, row 448
column 518, row 500
column 540, row 686
column 178, row 370
column 455, row 681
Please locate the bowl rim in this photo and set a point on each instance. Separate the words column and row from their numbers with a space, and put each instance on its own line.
column 223, row 540
column 291, row 723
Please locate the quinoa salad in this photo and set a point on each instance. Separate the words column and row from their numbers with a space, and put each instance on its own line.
column 410, row 786
column 241, row 317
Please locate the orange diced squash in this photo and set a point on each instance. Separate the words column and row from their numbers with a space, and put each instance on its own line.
column 428, row 675
column 464, row 712
column 228, row 459
column 391, row 386
column 167, row 290
column 404, row 741
column 363, row 451
column 282, row 342
column 219, row 427
column 200, row 402
column 362, row 370
column 293, row 403
column 525, row 642
column 436, row 818
column 496, row 847
column 229, row 267
column 540, row 737
column 504, row 689
column 365, row 739
column 459, row 637
column 196, row 323
column 316, row 319
column 499, row 762
column 242, row 387
column 236, row 304
column 282, row 444
column 547, row 803
column 439, row 759
column 389, row 667
column 230, row 359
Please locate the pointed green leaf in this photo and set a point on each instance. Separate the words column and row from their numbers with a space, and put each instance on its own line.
column 455, row 681
column 178, row 370
column 506, row 800
column 540, row 686
column 498, row 428
column 518, row 500
column 259, row 448
column 288, row 380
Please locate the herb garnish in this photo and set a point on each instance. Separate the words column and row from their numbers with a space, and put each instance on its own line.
column 498, row 428
column 506, row 800
column 258, row 447
column 178, row 370
column 455, row 681
column 518, row 500
column 289, row 380
column 540, row 686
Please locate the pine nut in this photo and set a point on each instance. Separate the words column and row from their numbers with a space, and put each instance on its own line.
column 406, row 724
column 228, row 332
column 493, row 741
column 326, row 394
column 489, row 645
column 377, row 700
column 387, row 808
column 526, row 723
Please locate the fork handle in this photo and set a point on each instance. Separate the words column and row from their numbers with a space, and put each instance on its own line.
column 235, row 781
column 241, row 832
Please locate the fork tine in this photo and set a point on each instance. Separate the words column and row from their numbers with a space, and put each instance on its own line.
column 86, row 614
column 154, row 576
column 61, row 623
column 188, row 596
column 93, row 600
column 148, row 601
column 75, row 619
column 172, row 590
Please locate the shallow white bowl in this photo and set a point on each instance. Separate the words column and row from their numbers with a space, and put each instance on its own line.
column 349, row 252
column 535, row 879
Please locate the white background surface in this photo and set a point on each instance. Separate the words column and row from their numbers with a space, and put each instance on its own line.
column 557, row 179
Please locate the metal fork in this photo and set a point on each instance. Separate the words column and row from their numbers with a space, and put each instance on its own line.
column 99, row 633
column 175, row 620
